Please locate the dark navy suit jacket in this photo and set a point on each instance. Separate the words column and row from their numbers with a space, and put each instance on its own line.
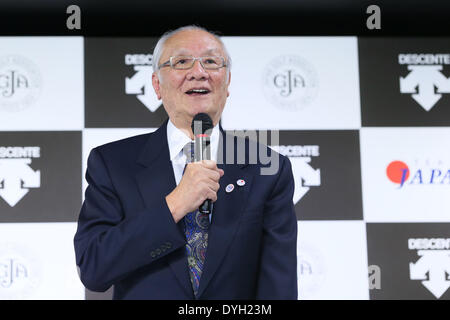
column 127, row 237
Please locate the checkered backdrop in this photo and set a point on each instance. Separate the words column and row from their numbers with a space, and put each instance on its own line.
column 364, row 121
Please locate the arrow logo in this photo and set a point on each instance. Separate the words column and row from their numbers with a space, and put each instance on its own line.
column 141, row 85
column 304, row 176
column 16, row 177
column 433, row 267
column 425, row 83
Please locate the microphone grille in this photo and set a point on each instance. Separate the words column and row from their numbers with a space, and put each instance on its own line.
column 205, row 120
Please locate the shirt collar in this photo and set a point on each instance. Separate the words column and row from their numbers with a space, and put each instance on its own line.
column 177, row 139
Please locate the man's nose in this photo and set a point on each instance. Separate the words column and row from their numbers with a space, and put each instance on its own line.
column 197, row 72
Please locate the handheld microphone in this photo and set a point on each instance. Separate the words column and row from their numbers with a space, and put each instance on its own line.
column 201, row 127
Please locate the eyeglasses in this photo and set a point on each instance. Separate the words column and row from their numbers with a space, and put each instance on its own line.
column 187, row 62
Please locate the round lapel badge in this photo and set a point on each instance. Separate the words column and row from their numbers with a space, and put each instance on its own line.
column 240, row 182
column 229, row 188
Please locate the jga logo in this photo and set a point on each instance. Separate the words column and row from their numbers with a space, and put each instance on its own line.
column 311, row 270
column 20, row 83
column 290, row 82
column 16, row 175
column 141, row 83
column 20, row 272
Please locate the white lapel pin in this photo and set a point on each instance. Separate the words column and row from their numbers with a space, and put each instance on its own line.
column 240, row 182
column 229, row 188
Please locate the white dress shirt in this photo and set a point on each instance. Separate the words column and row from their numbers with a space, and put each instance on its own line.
column 177, row 139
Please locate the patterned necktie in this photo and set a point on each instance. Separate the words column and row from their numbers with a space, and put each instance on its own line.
column 196, row 229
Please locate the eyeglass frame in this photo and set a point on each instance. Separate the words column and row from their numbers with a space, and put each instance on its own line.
column 168, row 63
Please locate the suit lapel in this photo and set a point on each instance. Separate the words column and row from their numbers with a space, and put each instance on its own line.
column 155, row 181
column 227, row 211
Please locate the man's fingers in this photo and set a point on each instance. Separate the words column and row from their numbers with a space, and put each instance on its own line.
column 212, row 196
column 200, row 182
column 210, row 164
column 209, row 192
column 212, row 171
column 213, row 186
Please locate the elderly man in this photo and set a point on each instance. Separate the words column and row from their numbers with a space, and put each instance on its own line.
column 140, row 229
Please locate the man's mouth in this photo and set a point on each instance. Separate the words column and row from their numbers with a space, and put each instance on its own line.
column 198, row 92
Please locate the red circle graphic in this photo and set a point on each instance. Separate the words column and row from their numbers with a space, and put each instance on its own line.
column 395, row 171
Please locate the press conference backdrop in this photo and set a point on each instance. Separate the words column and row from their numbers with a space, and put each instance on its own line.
column 365, row 123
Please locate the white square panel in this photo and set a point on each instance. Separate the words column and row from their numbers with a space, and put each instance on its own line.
column 293, row 83
column 37, row 261
column 332, row 260
column 41, row 83
column 405, row 174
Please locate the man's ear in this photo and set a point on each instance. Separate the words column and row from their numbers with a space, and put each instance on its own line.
column 156, row 85
column 228, row 84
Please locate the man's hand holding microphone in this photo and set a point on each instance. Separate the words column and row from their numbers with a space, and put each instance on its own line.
column 200, row 182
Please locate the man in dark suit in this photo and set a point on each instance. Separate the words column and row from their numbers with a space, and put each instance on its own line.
column 140, row 229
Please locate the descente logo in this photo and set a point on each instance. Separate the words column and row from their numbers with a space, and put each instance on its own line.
column 305, row 176
column 425, row 81
column 16, row 175
column 433, row 266
column 140, row 84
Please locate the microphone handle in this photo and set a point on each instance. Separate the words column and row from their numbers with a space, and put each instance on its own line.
column 203, row 152
column 205, row 207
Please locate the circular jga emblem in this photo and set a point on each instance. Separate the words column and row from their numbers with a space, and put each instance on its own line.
column 290, row 82
column 20, row 272
column 20, row 83
column 311, row 271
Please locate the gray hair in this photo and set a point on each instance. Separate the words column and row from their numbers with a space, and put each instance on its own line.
column 157, row 52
